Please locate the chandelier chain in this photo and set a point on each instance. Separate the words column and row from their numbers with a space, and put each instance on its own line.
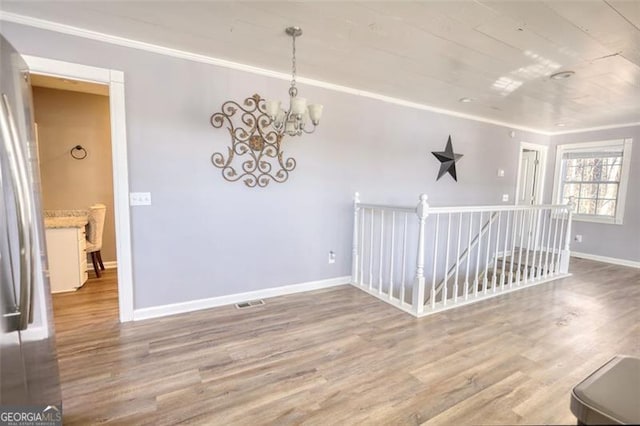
column 293, row 63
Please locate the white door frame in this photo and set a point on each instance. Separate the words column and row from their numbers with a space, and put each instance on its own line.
column 115, row 80
column 541, row 172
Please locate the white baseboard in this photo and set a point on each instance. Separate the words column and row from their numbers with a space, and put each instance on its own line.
column 107, row 265
column 196, row 305
column 110, row 265
column 605, row 259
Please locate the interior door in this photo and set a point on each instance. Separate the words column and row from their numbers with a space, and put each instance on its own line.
column 527, row 195
column 528, row 177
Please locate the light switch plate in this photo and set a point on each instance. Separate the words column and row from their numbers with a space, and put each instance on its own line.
column 500, row 172
column 140, row 198
column 505, row 197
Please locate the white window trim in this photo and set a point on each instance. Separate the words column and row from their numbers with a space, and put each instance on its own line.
column 624, row 177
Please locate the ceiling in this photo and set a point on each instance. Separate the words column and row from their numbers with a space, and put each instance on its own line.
column 500, row 54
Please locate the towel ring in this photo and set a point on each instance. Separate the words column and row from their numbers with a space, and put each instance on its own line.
column 78, row 152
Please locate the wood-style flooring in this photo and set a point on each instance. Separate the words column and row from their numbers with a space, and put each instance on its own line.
column 339, row 356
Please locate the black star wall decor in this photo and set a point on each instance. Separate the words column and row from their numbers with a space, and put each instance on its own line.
column 447, row 160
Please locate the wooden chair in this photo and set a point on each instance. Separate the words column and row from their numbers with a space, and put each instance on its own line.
column 95, row 228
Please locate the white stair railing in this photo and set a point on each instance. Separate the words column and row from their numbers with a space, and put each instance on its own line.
column 383, row 238
column 427, row 259
column 461, row 257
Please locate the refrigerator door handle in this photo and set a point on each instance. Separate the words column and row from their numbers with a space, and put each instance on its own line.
column 20, row 184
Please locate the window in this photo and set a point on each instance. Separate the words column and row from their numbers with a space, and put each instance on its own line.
column 595, row 174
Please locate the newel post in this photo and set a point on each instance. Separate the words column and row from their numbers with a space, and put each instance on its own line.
column 355, row 255
column 418, row 285
column 565, row 254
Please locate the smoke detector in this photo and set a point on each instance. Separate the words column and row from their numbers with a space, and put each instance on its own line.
column 561, row 75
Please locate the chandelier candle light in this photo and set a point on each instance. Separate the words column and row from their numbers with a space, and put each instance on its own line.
column 293, row 121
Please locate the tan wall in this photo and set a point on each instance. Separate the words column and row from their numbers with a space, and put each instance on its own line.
column 66, row 119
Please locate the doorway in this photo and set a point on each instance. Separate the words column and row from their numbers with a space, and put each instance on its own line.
column 532, row 161
column 74, row 156
column 114, row 79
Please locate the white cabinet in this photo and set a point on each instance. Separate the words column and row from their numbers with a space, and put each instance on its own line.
column 67, row 256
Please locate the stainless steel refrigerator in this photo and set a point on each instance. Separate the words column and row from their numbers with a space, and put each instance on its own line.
column 28, row 364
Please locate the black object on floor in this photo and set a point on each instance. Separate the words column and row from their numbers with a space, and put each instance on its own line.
column 609, row 395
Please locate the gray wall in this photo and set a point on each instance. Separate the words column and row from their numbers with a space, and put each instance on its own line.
column 618, row 241
column 205, row 237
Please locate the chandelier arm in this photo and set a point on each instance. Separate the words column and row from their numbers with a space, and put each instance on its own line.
column 309, row 131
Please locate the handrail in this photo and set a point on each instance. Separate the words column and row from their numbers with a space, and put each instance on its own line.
column 387, row 208
column 466, row 251
column 466, row 209
column 499, row 208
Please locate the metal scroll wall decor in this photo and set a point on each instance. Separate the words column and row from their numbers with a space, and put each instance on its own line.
column 259, row 129
column 255, row 155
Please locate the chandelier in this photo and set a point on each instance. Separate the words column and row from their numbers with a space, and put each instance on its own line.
column 295, row 120
column 257, row 128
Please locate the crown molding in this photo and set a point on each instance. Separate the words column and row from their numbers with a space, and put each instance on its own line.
column 594, row 129
column 176, row 53
column 134, row 44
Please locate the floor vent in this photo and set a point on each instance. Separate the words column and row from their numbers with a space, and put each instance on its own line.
column 250, row 304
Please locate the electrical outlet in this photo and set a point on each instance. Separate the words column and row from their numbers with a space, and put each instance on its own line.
column 332, row 257
column 140, row 198
column 578, row 238
column 505, row 198
column 500, row 172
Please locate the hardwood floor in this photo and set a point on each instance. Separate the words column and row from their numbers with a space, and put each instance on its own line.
column 340, row 356
column 94, row 305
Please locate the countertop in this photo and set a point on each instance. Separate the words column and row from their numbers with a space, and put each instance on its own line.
column 66, row 218
column 65, row 222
